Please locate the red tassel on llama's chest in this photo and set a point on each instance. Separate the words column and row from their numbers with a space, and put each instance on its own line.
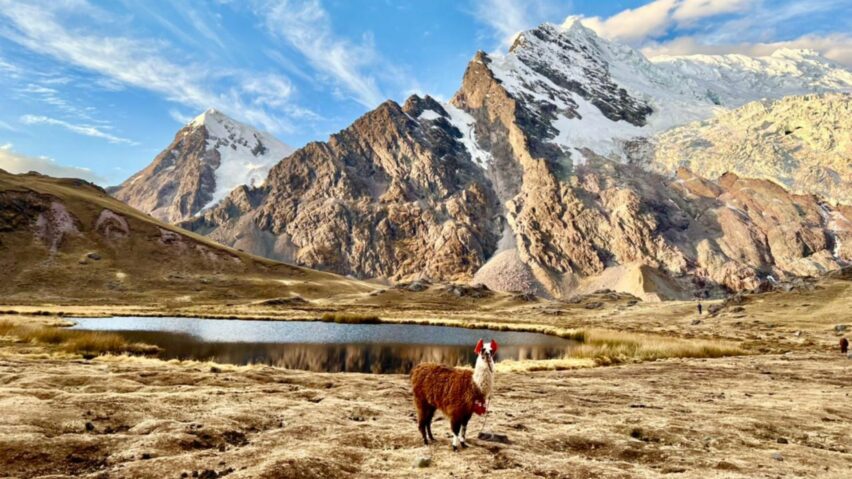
column 479, row 407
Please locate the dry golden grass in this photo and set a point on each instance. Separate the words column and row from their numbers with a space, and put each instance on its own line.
column 528, row 365
column 612, row 347
column 86, row 343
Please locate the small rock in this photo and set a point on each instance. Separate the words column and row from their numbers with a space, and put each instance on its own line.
column 783, row 440
column 695, row 321
column 146, row 456
column 215, row 370
column 798, row 334
column 90, row 427
column 93, row 255
column 777, row 456
column 594, row 305
column 839, row 328
column 422, row 462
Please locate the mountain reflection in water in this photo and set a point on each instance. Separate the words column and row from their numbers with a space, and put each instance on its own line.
column 323, row 347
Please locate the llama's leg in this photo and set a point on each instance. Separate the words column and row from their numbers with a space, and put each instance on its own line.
column 455, row 424
column 463, row 436
column 429, row 416
column 422, row 410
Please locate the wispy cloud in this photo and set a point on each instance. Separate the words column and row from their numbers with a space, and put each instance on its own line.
column 307, row 27
column 85, row 130
column 141, row 63
column 180, row 117
column 8, row 127
column 837, row 47
column 508, row 17
column 658, row 17
column 650, row 20
column 18, row 163
column 683, row 27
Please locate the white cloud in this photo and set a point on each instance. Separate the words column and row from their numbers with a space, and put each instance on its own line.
column 136, row 62
column 658, row 17
column 649, row 20
column 836, row 47
column 748, row 32
column 86, row 130
column 306, row 26
column 508, row 17
column 17, row 163
column 691, row 10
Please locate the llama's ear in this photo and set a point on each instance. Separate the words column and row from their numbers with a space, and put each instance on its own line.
column 493, row 347
column 478, row 347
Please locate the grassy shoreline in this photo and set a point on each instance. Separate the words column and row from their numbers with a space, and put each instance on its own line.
column 599, row 347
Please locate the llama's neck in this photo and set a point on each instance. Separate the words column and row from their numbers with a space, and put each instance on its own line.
column 483, row 377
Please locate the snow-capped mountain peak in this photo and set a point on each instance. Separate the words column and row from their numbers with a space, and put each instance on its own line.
column 599, row 95
column 209, row 157
column 245, row 154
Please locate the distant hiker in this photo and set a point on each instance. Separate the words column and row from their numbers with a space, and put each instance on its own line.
column 844, row 345
column 699, row 307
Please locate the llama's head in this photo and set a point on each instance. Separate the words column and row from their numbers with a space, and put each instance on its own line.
column 485, row 353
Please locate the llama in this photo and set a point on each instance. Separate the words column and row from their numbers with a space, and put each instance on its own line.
column 458, row 393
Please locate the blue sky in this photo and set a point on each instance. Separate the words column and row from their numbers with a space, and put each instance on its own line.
column 96, row 89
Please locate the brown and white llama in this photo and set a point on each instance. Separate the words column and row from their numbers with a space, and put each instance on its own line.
column 458, row 393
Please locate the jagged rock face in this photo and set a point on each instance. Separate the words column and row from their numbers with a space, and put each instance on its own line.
column 208, row 158
column 530, row 179
column 801, row 142
column 395, row 195
column 572, row 221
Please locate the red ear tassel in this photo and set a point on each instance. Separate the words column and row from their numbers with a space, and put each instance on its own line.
column 493, row 347
column 478, row 347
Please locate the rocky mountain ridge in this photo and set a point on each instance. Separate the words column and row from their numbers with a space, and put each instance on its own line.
column 533, row 178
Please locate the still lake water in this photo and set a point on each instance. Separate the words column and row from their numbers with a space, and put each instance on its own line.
column 323, row 347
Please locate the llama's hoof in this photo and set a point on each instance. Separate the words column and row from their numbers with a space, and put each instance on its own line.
column 464, row 445
column 455, row 448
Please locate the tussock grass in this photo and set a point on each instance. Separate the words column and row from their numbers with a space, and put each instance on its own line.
column 612, row 347
column 6, row 328
column 350, row 318
column 87, row 343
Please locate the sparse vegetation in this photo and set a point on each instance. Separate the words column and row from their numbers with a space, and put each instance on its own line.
column 350, row 318
column 86, row 343
column 529, row 365
column 612, row 347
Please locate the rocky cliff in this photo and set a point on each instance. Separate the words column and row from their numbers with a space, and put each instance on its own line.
column 801, row 142
column 395, row 196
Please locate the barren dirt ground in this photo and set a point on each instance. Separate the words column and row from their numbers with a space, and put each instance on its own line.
column 783, row 411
